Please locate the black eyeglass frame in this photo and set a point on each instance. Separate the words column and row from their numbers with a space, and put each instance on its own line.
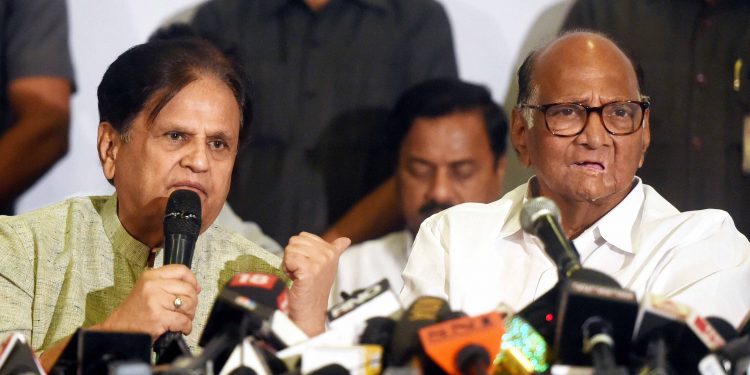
column 544, row 107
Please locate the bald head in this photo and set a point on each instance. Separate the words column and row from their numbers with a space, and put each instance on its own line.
column 592, row 127
column 578, row 49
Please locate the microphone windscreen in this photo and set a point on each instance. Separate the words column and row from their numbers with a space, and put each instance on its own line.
column 462, row 343
column 378, row 331
column 248, row 297
column 525, row 342
column 724, row 328
column 183, row 213
column 535, row 208
column 405, row 342
column 333, row 369
column 687, row 335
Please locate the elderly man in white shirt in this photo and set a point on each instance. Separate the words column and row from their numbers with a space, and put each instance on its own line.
column 452, row 150
column 582, row 124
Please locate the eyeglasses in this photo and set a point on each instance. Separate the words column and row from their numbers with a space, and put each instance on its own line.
column 569, row 119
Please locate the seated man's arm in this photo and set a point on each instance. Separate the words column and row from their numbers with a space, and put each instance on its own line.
column 372, row 216
column 148, row 308
column 709, row 270
column 311, row 263
column 38, row 82
column 38, row 138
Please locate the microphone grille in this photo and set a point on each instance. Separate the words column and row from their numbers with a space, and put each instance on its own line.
column 534, row 208
column 183, row 213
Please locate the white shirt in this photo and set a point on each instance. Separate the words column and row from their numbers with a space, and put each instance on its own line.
column 367, row 263
column 477, row 256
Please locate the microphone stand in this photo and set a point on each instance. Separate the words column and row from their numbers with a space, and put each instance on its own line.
column 598, row 341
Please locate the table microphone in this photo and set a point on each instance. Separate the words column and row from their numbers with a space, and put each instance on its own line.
column 541, row 217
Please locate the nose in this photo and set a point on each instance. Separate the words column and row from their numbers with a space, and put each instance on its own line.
column 594, row 134
column 441, row 188
column 196, row 157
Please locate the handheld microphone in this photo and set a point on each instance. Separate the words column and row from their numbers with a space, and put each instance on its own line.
column 541, row 217
column 182, row 222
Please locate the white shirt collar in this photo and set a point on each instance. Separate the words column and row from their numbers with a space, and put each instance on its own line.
column 616, row 226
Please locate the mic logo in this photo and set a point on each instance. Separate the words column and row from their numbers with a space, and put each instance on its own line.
column 602, row 291
column 463, row 343
column 358, row 299
column 707, row 333
column 260, row 280
column 425, row 308
column 283, row 302
column 462, row 327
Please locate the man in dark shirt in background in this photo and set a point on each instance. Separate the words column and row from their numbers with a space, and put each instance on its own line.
column 695, row 58
column 324, row 74
column 36, row 80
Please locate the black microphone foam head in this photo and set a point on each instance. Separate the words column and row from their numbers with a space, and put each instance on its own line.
column 183, row 213
column 535, row 208
column 405, row 343
column 725, row 329
column 332, row 369
column 249, row 297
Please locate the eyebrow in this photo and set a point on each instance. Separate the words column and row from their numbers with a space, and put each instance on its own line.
column 413, row 159
column 581, row 100
column 174, row 126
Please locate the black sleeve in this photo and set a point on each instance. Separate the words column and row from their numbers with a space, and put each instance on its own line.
column 37, row 39
column 429, row 41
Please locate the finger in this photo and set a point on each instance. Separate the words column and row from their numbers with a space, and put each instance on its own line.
column 186, row 304
column 177, row 287
column 179, row 272
column 341, row 243
column 176, row 322
column 301, row 240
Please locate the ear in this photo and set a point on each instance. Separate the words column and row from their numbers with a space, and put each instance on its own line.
column 645, row 136
column 108, row 143
column 518, row 137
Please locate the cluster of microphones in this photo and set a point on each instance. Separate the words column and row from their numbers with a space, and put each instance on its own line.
column 586, row 323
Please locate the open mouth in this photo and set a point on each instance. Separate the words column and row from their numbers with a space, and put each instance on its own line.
column 591, row 165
